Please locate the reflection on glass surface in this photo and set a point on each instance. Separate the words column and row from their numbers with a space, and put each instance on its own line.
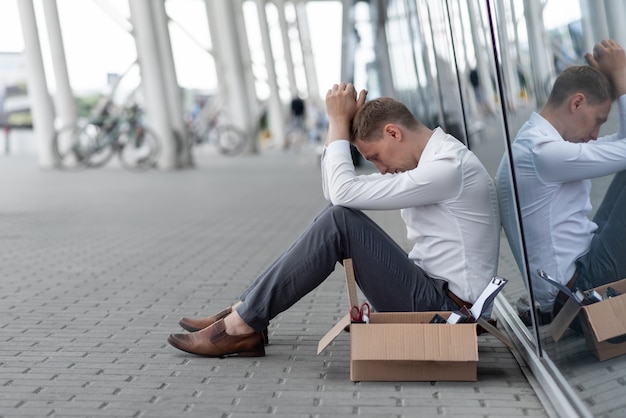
column 555, row 186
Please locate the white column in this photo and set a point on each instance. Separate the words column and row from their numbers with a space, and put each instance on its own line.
column 307, row 50
column 511, row 86
column 173, row 91
column 462, row 30
column 539, row 50
column 383, row 60
column 216, row 48
column 41, row 105
column 275, row 111
column 284, row 32
column 470, row 102
column 249, row 99
column 347, row 42
column 432, row 87
column 585, row 14
column 151, row 82
column 482, row 61
column 598, row 19
column 616, row 15
column 515, row 31
column 64, row 97
column 520, row 59
column 230, row 69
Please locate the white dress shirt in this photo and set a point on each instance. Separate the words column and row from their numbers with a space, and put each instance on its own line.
column 448, row 203
column 553, row 184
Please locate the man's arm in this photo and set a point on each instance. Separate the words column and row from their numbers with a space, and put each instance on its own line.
column 609, row 57
column 341, row 105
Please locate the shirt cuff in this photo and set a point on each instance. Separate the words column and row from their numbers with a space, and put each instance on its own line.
column 338, row 146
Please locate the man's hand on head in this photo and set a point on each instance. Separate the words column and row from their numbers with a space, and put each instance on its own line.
column 342, row 104
column 609, row 57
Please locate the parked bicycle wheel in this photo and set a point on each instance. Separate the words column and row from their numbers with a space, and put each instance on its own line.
column 230, row 140
column 102, row 148
column 139, row 149
column 75, row 146
column 69, row 149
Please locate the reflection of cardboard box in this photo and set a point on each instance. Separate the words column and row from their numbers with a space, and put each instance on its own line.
column 404, row 346
column 603, row 323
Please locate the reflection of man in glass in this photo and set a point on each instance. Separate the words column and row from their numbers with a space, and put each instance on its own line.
column 555, row 154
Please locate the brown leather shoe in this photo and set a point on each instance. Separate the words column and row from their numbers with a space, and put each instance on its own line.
column 213, row 341
column 196, row 324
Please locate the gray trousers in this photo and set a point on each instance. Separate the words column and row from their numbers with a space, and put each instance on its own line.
column 387, row 277
column 605, row 262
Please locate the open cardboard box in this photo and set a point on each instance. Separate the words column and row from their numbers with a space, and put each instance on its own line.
column 603, row 323
column 404, row 346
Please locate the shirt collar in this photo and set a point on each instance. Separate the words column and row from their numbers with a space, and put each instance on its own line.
column 540, row 122
column 433, row 145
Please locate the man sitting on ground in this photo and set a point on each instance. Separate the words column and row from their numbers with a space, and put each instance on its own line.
column 447, row 200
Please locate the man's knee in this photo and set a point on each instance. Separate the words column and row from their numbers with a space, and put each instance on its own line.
column 339, row 217
column 342, row 212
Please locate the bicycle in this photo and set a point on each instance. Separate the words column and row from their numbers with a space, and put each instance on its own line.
column 208, row 128
column 93, row 144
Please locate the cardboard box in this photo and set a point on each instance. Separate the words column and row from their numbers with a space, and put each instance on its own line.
column 603, row 323
column 400, row 346
column 404, row 346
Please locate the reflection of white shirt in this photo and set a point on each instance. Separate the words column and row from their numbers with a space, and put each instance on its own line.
column 448, row 203
column 552, row 182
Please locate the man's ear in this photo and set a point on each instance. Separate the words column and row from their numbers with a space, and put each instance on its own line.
column 576, row 101
column 393, row 131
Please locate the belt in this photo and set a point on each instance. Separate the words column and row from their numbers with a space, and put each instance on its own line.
column 460, row 302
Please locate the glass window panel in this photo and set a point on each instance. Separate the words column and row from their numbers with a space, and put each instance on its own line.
column 545, row 41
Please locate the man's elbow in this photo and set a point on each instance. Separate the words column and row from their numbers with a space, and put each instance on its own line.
column 340, row 199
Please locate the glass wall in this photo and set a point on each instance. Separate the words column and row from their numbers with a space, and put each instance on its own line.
column 480, row 69
column 548, row 51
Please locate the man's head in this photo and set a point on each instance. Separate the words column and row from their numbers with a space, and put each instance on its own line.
column 384, row 131
column 579, row 103
column 371, row 118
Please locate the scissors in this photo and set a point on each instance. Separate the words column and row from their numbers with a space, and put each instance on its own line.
column 361, row 314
